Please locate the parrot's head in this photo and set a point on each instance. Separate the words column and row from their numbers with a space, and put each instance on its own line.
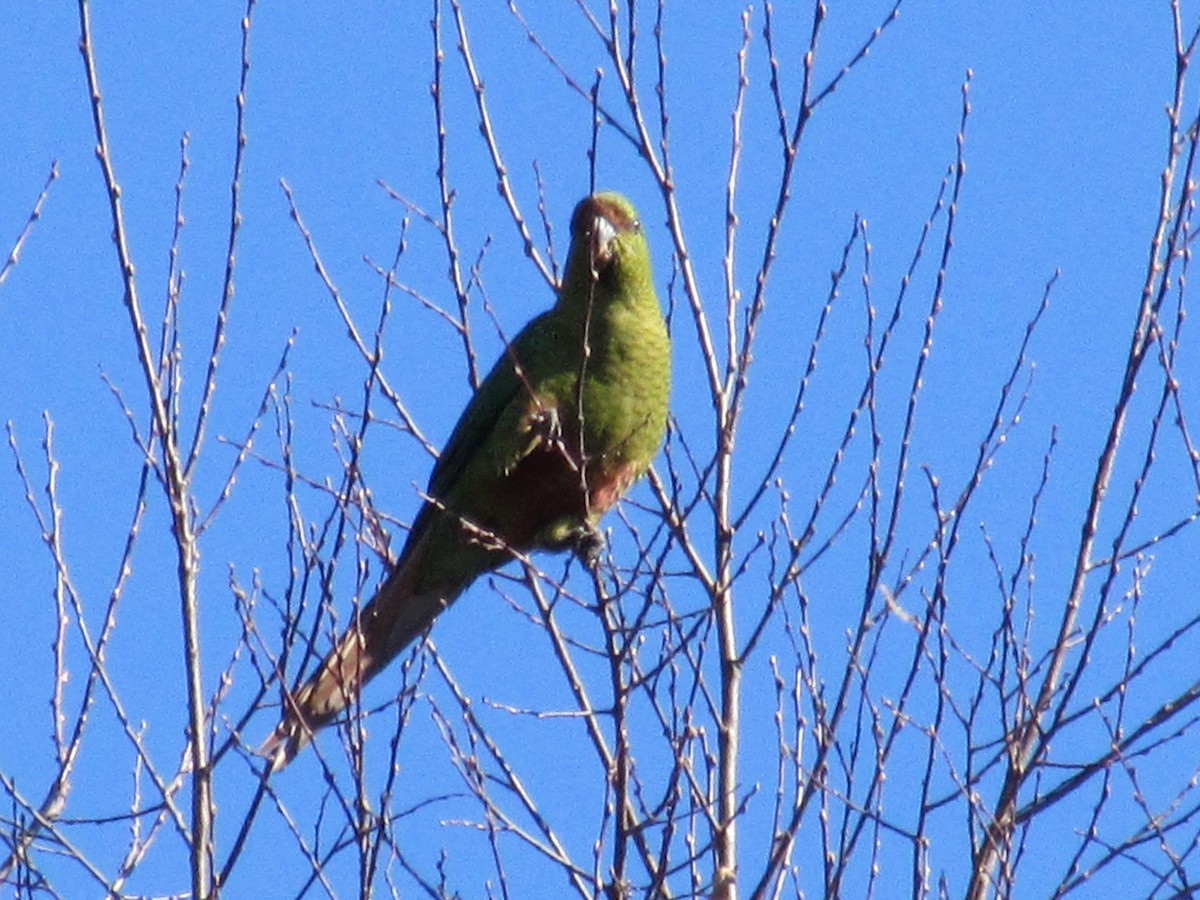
column 605, row 229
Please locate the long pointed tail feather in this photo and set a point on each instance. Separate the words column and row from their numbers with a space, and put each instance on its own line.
column 394, row 617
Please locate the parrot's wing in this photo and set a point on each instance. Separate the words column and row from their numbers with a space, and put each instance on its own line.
column 494, row 400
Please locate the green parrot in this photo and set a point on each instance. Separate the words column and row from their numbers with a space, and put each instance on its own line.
column 569, row 417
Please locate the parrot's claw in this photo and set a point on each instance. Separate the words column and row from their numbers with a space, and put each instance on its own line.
column 589, row 544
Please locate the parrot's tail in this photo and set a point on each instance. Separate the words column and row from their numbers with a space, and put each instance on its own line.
column 394, row 617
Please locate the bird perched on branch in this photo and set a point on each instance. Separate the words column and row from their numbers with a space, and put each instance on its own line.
column 569, row 417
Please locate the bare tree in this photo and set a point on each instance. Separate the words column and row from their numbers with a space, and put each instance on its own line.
column 809, row 662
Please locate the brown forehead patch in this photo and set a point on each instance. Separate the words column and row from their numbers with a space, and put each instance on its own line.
column 591, row 207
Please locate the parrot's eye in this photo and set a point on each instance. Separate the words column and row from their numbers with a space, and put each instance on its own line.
column 636, row 227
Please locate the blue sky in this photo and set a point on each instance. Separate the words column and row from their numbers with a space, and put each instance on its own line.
column 1065, row 144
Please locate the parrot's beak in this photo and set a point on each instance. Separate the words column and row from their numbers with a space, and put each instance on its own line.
column 603, row 233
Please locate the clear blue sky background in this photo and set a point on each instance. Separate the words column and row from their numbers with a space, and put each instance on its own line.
column 1064, row 149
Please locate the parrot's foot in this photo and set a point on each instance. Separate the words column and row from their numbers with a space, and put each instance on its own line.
column 588, row 544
